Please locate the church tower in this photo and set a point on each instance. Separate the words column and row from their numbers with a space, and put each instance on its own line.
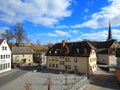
column 109, row 33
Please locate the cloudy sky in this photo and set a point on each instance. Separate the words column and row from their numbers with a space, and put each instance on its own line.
column 51, row 21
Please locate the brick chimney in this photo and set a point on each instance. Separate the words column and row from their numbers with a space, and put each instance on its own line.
column 63, row 43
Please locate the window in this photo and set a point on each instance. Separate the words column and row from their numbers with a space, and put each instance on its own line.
column 90, row 59
column 2, row 47
column 53, row 59
column 53, row 65
column 69, row 59
column 49, row 52
column 56, row 65
column 65, row 59
column 62, row 62
column 50, row 58
column 69, row 67
column 77, row 50
column 1, row 57
column 55, row 52
column 4, row 56
column 8, row 56
column 5, row 48
column 75, row 67
column 1, row 66
column 75, row 60
column 49, row 65
column 8, row 65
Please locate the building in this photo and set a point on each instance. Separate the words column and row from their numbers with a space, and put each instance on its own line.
column 22, row 55
column 43, row 58
column 79, row 57
column 5, row 56
column 118, row 65
column 40, row 57
column 106, row 50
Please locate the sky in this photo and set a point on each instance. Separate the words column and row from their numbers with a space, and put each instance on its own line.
column 51, row 21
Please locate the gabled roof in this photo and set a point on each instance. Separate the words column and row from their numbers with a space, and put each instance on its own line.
column 105, row 44
column 22, row 50
column 71, row 49
column 1, row 40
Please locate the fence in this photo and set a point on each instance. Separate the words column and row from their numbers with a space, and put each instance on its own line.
column 79, row 84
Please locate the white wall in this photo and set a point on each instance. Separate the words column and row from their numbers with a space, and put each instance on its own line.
column 5, row 57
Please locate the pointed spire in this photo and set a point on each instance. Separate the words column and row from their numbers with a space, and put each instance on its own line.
column 109, row 32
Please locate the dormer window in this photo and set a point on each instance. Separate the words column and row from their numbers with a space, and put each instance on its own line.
column 49, row 52
column 77, row 50
column 55, row 52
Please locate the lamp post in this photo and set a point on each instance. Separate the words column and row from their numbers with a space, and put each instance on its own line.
column 75, row 74
column 49, row 82
column 66, row 79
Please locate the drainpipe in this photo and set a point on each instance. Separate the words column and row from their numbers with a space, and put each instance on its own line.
column 88, row 68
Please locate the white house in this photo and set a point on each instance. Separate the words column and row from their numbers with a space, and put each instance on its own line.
column 5, row 56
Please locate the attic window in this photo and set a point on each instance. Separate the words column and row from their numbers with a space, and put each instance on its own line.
column 77, row 50
column 85, row 51
column 49, row 52
column 55, row 52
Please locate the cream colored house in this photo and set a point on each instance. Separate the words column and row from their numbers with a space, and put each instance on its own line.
column 5, row 56
column 22, row 55
column 106, row 51
column 75, row 56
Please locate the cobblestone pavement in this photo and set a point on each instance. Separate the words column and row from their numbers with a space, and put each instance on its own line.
column 103, row 80
column 39, row 81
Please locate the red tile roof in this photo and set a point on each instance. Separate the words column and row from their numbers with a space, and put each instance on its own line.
column 1, row 40
column 104, row 47
column 105, row 44
column 71, row 49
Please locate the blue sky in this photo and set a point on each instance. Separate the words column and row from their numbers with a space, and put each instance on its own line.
column 51, row 21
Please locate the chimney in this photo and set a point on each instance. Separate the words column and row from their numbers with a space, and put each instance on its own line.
column 63, row 43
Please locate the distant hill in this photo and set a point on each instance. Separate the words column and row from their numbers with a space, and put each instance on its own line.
column 36, row 48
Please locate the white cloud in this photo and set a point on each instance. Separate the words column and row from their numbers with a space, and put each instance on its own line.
column 44, row 12
column 56, row 33
column 74, row 32
column 2, row 29
column 52, row 34
column 100, row 36
column 62, row 26
column 61, row 33
column 101, row 19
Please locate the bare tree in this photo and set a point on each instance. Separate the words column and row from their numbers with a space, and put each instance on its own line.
column 7, row 35
column 38, row 42
column 19, row 33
